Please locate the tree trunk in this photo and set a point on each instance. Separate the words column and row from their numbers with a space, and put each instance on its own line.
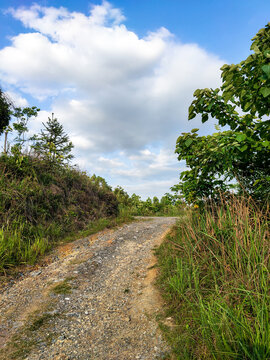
column 5, row 142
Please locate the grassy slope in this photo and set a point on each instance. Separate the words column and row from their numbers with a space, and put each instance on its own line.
column 40, row 204
column 214, row 275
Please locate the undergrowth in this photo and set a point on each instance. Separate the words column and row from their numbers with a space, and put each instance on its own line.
column 41, row 203
column 214, row 275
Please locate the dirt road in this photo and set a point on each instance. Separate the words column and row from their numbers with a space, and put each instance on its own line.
column 94, row 300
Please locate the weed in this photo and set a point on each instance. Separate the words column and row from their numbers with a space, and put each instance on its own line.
column 38, row 322
column 62, row 287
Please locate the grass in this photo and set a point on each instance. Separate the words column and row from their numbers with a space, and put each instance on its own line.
column 41, row 204
column 16, row 249
column 62, row 288
column 214, row 275
column 23, row 342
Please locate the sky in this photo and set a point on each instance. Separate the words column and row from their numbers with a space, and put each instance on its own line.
column 120, row 75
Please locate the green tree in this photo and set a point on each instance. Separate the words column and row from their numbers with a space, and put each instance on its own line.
column 156, row 206
column 5, row 116
column 5, row 111
column 135, row 200
column 100, row 183
column 22, row 116
column 122, row 196
column 243, row 152
column 53, row 143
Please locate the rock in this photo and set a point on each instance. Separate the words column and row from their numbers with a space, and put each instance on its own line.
column 35, row 273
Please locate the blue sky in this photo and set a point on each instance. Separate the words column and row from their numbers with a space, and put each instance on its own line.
column 120, row 75
column 222, row 27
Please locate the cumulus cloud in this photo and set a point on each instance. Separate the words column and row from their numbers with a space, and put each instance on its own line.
column 113, row 90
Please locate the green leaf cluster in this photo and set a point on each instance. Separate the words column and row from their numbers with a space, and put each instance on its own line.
column 5, row 111
column 242, row 153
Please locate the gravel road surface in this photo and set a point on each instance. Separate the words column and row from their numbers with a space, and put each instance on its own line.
column 95, row 299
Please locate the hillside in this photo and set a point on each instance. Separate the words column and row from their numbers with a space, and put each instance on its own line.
column 41, row 202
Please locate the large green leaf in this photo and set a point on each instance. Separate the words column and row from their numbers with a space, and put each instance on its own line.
column 266, row 70
column 241, row 137
column 204, row 118
column 188, row 142
column 265, row 91
column 243, row 148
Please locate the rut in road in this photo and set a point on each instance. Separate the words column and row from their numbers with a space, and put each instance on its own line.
column 95, row 300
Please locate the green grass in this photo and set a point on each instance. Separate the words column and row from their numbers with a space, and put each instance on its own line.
column 214, row 275
column 17, row 248
column 62, row 288
column 41, row 204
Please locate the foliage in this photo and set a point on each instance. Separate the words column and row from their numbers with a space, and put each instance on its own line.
column 168, row 205
column 53, row 143
column 100, row 183
column 39, row 204
column 243, row 152
column 5, row 108
column 214, row 275
column 22, row 116
column 122, row 196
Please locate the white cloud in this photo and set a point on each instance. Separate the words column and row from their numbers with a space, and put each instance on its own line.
column 17, row 99
column 110, row 162
column 114, row 91
column 100, row 14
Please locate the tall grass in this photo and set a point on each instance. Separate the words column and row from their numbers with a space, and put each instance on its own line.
column 18, row 245
column 215, row 277
column 16, row 248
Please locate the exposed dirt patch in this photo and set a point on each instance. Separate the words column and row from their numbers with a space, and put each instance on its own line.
column 95, row 300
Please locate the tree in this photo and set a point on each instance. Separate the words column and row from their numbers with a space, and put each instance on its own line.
column 100, row 183
column 5, row 111
column 53, row 143
column 243, row 152
column 23, row 115
column 122, row 196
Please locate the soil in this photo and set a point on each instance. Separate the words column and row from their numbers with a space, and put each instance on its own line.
column 93, row 299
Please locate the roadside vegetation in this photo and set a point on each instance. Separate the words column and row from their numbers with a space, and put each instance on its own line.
column 215, row 279
column 171, row 204
column 43, row 199
column 214, row 267
column 40, row 204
